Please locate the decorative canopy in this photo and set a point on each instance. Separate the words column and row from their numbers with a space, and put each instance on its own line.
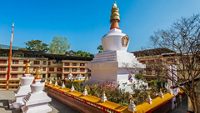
column 27, row 70
column 38, row 73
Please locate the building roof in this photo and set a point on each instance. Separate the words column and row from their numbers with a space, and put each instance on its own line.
column 152, row 52
column 38, row 54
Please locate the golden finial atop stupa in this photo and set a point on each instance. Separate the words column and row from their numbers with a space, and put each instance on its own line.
column 27, row 70
column 115, row 16
column 38, row 73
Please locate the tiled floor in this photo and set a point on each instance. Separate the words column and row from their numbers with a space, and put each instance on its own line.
column 9, row 95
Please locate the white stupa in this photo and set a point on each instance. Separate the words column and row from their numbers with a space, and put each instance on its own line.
column 70, row 76
column 80, row 77
column 24, row 88
column 114, row 64
column 37, row 101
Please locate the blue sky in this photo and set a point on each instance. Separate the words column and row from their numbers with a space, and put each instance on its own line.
column 84, row 22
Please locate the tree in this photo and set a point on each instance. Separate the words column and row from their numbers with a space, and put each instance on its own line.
column 70, row 53
column 83, row 54
column 37, row 45
column 59, row 45
column 184, row 38
column 100, row 48
column 79, row 53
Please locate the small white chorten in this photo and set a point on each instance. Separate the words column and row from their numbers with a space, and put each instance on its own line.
column 37, row 101
column 70, row 76
column 63, row 85
column 24, row 88
column 85, row 92
column 56, row 83
column 132, row 106
column 72, row 88
column 50, row 82
column 149, row 100
column 161, row 94
column 103, row 97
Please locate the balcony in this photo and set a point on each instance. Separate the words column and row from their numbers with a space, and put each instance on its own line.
column 3, row 63
column 3, row 71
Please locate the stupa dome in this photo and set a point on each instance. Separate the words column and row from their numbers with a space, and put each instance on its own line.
column 115, row 40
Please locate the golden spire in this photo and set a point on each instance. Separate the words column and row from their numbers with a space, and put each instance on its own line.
column 38, row 73
column 27, row 70
column 115, row 16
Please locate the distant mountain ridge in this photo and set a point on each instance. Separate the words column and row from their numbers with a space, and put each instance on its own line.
column 2, row 46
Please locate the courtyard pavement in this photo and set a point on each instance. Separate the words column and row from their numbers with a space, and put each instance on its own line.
column 57, row 107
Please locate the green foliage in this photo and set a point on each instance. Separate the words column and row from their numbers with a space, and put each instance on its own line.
column 79, row 53
column 59, row 45
column 70, row 53
column 100, row 48
column 139, row 76
column 84, row 54
column 114, row 94
column 37, row 45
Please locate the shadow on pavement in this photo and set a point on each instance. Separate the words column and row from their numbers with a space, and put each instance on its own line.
column 60, row 107
column 5, row 105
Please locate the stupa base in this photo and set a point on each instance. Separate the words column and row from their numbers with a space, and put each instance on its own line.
column 19, row 95
column 42, row 108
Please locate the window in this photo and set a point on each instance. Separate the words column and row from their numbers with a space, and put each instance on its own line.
column 54, row 62
column 148, row 71
column 24, row 68
column 67, row 63
column 2, row 75
column 150, row 61
column 43, row 75
column 51, row 69
column 74, row 64
column 66, row 69
column 59, row 76
column 82, row 64
column 3, row 82
column 36, row 62
column 74, row 69
column 15, row 62
column 44, row 68
column 89, row 70
column 82, row 69
column 14, row 68
column 158, row 61
column 25, row 61
column 2, row 68
column 143, row 62
column 3, row 61
column 44, row 62
column 172, row 60
column 49, row 63
column 34, row 69
column 75, row 75
column 59, row 69
column 65, row 75
column 14, row 76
